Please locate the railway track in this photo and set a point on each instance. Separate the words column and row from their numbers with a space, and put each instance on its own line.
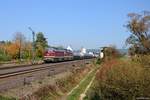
column 23, row 72
column 17, row 76
column 17, row 70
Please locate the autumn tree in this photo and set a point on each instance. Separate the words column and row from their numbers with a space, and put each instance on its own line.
column 19, row 41
column 13, row 50
column 18, row 48
column 139, row 25
column 41, row 44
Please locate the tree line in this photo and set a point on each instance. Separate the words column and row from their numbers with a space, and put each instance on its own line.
column 19, row 48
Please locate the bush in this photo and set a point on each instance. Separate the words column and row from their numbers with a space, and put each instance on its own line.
column 144, row 60
column 111, row 53
column 44, row 93
column 121, row 80
column 6, row 98
column 98, row 61
column 4, row 57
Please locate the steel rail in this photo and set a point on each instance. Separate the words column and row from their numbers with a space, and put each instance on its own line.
column 25, row 71
column 26, row 65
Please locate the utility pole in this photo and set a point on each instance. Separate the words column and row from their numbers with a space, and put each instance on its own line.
column 20, row 49
column 33, row 44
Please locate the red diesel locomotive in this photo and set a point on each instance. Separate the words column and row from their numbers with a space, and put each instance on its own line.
column 55, row 54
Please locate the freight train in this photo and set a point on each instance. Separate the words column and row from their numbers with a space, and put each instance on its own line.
column 57, row 55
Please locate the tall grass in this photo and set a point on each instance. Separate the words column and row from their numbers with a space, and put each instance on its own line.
column 121, row 80
column 7, row 98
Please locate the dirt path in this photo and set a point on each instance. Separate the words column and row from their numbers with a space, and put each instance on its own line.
column 79, row 83
column 79, row 92
column 88, row 86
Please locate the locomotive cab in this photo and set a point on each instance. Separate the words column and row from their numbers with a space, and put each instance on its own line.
column 56, row 54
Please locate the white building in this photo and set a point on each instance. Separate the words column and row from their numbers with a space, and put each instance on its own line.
column 83, row 50
column 69, row 48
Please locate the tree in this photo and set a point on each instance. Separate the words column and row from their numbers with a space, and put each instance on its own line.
column 139, row 25
column 27, row 50
column 110, row 53
column 18, row 48
column 41, row 44
column 19, row 40
column 3, row 51
column 13, row 50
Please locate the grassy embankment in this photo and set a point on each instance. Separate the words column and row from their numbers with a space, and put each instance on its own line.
column 77, row 91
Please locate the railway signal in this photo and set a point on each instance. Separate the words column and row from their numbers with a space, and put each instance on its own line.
column 33, row 44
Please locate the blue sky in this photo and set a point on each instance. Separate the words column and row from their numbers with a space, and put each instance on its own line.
column 79, row 23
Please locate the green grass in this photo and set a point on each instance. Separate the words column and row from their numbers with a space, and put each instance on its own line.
column 82, row 86
column 6, row 98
